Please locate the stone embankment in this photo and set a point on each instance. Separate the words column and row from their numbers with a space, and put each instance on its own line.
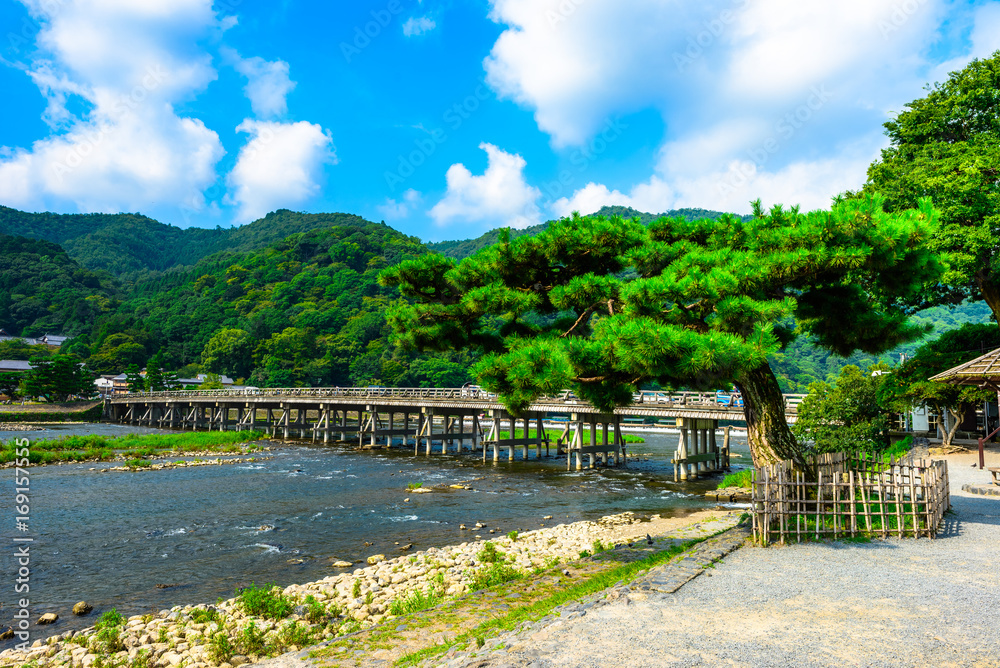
column 225, row 634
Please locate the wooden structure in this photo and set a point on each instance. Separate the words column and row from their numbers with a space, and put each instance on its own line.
column 698, row 453
column 851, row 497
column 982, row 372
column 430, row 419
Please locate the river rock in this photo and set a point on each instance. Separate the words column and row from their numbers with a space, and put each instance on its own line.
column 48, row 618
column 8, row 634
column 376, row 558
column 82, row 608
column 341, row 564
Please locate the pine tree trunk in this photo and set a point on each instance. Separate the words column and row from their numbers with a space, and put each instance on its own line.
column 768, row 434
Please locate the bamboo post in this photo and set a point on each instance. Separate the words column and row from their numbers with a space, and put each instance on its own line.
column 819, row 502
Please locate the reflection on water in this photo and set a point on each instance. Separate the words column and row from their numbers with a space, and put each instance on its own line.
column 112, row 538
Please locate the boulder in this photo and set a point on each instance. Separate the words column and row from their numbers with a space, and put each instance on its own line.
column 82, row 608
column 376, row 558
column 338, row 563
column 8, row 634
column 48, row 618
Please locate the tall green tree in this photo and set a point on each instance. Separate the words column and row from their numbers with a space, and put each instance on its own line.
column 10, row 384
column 846, row 416
column 908, row 386
column 58, row 377
column 602, row 305
column 154, row 373
column 229, row 351
column 946, row 146
column 134, row 380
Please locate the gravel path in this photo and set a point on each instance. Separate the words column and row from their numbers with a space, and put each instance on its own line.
column 887, row 603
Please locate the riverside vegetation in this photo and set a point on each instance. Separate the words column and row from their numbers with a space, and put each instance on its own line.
column 265, row 620
column 133, row 447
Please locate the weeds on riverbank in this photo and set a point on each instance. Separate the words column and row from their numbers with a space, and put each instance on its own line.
column 538, row 609
column 267, row 601
column 132, row 447
column 739, row 479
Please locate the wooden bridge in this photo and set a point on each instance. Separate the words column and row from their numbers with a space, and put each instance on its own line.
column 449, row 418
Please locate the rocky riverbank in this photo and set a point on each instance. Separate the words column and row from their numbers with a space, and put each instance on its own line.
column 260, row 622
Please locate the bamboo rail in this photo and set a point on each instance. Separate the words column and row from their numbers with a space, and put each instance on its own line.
column 851, row 497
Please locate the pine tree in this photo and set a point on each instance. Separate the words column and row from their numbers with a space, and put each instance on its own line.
column 133, row 379
column 603, row 305
column 58, row 377
column 154, row 373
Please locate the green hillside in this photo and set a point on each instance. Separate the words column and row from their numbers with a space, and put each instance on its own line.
column 43, row 290
column 131, row 245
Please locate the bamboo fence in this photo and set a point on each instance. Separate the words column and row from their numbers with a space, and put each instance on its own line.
column 850, row 497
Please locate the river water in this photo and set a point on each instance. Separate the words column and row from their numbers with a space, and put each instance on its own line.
column 111, row 538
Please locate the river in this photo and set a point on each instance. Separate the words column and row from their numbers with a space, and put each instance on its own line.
column 111, row 538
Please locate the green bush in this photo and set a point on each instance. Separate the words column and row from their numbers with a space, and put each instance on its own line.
column 490, row 554
column 266, row 601
column 220, row 649
column 496, row 574
column 251, row 640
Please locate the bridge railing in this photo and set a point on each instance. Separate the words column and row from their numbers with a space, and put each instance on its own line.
column 566, row 398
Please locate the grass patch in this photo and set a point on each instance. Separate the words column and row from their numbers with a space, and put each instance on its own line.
column 132, row 446
column 538, row 609
column 414, row 485
column 739, row 479
column 495, row 574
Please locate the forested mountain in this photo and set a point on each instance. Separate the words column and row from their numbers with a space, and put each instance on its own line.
column 43, row 290
column 132, row 245
column 291, row 299
column 304, row 311
column 466, row 247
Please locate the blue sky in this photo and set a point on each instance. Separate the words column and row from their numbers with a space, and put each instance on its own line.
column 446, row 119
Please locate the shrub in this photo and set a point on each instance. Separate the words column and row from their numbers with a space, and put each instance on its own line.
column 490, row 554
column 513, row 536
column 204, row 616
column 251, row 640
column 496, row 574
column 266, row 601
column 220, row 649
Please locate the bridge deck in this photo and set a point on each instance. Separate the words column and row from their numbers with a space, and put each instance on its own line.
column 645, row 404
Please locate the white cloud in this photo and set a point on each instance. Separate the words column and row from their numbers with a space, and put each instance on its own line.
column 280, row 166
column 776, row 99
column 418, row 25
column 268, row 83
column 130, row 63
column 499, row 196
column 393, row 210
